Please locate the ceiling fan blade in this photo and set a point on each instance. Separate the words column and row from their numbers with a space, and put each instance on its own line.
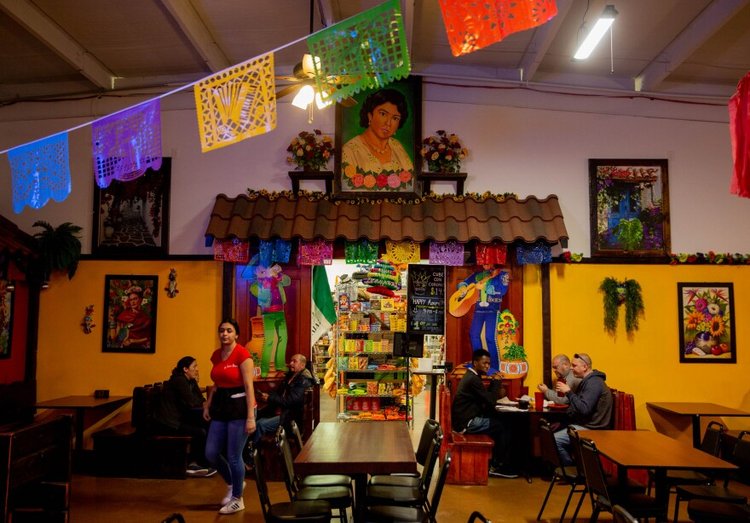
column 289, row 89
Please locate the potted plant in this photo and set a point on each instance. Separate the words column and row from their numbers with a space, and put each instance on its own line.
column 443, row 152
column 616, row 293
column 310, row 151
column 58, row 249
column 513, row 364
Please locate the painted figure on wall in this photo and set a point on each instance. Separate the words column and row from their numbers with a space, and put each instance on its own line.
column 133, row 324
column 484, row 290
column 268, row 287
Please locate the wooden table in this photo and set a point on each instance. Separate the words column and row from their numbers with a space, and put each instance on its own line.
column 80, row 405
column 667, row 416
column 645, row 449
column 358, row 448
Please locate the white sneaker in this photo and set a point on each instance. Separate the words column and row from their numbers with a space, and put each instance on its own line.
column 226, row 499
column 234, row 505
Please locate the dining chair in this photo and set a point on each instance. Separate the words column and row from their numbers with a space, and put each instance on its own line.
column 411, row 496
column 477, row 516
column 620, row 515
column 706, row 511
column 310, row 511
column 638, row 504
column 429, row 430
column 338, row 496
column 392, row 513
column 567, row 474
column 722, row 493
column 320, row 480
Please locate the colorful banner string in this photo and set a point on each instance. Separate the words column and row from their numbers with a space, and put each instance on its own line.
column 491, row 254
column 447, row 253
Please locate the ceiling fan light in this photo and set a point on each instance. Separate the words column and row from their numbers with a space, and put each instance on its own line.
column 322, row 104
column 304, row 97
column 597, row 32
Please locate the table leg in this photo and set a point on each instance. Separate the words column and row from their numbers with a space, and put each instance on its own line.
column 696, row 431
column 433, row 395
column 79, row 414
column 360, row 495
column 661, row 492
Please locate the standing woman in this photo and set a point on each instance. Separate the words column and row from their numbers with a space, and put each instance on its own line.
column 231, row 409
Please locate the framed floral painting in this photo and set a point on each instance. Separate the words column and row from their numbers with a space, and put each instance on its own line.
column 629, row 208
column 378, row 141
column 706, row 316
column 130, row 314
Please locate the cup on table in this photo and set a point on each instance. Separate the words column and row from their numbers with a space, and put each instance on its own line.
column 539, row 401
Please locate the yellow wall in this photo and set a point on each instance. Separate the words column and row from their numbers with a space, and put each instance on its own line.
column 646, row 364
column 71, row 362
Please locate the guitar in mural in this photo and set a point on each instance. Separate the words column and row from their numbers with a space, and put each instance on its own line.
column 461, row 301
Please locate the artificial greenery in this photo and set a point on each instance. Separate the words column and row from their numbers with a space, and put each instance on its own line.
column 615, row 294
column 59, row 249
column 514, row 352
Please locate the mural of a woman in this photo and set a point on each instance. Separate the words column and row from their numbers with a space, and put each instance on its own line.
column 375, row 159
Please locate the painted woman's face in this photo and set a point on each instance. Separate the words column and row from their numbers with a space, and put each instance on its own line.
column 384, row 120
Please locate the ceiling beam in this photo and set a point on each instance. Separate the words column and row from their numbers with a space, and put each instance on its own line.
column 703, row 27
column 541, row 42
column 47, row 31
column 198, row 34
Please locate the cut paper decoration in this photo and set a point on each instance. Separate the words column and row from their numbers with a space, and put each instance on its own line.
column 127, row 143
column 473, row 25
column 402, row 252
column 237, row 103
column 491, row 253
column 534, row 254
column 739, row 130
column 362, row 251
column 315, row 252
column 447, row 253
column 40, row 171
column 274, row 251
column 233, row 251
column 365, row 51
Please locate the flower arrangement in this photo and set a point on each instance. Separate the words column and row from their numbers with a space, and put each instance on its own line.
column 383, row 181
column 443, row 152
column 310, row 151
column 706, row 317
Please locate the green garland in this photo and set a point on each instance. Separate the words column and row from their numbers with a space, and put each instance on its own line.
column 617, row 293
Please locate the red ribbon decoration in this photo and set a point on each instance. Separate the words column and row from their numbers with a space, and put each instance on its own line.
column 739, row 130
column 475, row 24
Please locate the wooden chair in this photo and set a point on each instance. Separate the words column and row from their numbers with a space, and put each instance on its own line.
column 620, row 515
column 310, row 511
column 394, row 513
column 705, row 511
column 560, row 473
column 721, row 493
column 430, row 430
column 477, row 516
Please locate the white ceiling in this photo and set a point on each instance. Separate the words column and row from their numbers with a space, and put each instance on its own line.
column 64, row 49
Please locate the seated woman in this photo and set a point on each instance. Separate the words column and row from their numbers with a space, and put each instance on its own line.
column 180, row 411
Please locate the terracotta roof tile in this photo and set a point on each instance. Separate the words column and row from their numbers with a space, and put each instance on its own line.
column 484, row 218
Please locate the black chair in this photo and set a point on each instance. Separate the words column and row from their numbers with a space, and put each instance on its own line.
column 395, row 513
column 560, row 473
column 339, row 497
column 409, row 496
column 638, row 504
column 620, row 515
column 477, row 516
column 721, row 493
column 174, row 518
column 706, row 511
column 320, row 480
column 310, row 511
column 429, row 430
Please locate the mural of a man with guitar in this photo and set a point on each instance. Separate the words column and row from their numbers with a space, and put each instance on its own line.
column 484, row 290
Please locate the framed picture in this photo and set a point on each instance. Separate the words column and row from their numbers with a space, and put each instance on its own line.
column 131, row 219
column 706, row 322
column 629, row 207
column 6, row 319
column 130, row 314
column 378, row 141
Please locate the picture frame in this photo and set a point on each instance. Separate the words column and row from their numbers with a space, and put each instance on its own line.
column 706, row 322
column 6, row 320
column 131, row 219
column 357, row 171
column 629, row 208
column 130, row 313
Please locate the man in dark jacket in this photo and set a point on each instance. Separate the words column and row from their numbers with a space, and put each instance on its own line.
column 473, row 412
column 289, row 398
column 590, row 406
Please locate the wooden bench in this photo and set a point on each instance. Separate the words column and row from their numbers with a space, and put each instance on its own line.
column 135, row 450
column 471, row 452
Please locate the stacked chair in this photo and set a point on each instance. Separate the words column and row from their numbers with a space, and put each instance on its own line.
column 718, row 495
column 309, row 511
column 338, row 496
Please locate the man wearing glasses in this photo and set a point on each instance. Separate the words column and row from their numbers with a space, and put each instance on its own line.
column 590, row 406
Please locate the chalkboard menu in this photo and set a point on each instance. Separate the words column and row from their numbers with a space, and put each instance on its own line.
column 426, row 299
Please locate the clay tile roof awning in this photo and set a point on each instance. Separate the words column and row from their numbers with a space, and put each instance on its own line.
column 309, row 216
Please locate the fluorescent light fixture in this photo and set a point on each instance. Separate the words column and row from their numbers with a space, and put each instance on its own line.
column 304, row 97
column 597, row 32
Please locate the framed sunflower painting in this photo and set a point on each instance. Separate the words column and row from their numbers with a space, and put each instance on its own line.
column 706, row 316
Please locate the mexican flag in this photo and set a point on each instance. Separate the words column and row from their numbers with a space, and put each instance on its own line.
column 323, row 310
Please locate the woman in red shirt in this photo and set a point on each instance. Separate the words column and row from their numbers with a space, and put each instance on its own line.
column 231, row 409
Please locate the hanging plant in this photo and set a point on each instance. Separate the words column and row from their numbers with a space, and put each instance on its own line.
column 615, row 294
column 58, row 249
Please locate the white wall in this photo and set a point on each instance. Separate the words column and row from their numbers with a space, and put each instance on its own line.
column 520, row 141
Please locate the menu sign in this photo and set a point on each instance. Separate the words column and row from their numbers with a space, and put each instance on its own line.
column 426, row 299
